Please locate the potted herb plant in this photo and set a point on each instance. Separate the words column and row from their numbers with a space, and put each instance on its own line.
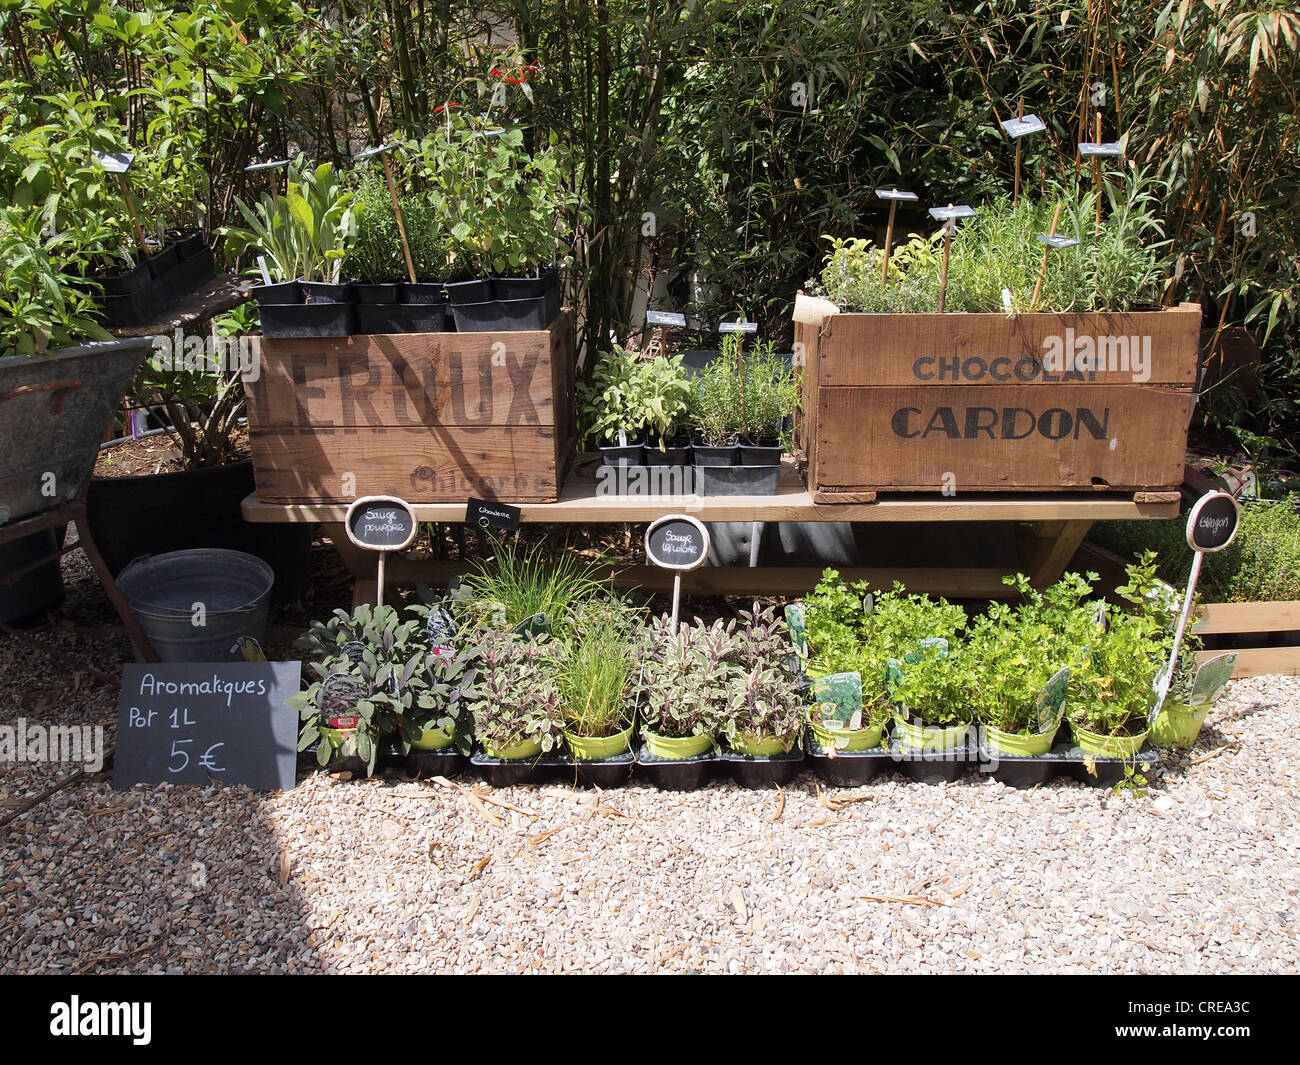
column 594, row 679
column 1114, row 689
column 515, row 705
column 684, row 686
column 634, row 409
column 304, row 236
column 767, row 715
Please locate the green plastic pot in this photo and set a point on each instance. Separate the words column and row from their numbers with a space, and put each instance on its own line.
column 677, row 746
column 1178, row 725
column 1108, row 746
column 929, row 737
column 433, row 739
column 1017, row 742
column 520, row 751
column 594, row 748
column 842, row 739
column 761, row 746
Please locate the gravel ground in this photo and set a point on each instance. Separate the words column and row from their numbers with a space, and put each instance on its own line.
column 394, row 876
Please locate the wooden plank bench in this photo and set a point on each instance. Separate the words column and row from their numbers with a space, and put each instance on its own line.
column 1049, row 529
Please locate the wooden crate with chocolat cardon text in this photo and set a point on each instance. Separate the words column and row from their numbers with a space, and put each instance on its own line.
column 952, row 403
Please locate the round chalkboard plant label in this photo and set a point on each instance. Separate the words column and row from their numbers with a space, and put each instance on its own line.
column 677, row 541
column 1212, row 524
column 380, row 523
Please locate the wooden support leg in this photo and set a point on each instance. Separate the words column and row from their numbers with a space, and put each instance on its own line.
column 1047, row 547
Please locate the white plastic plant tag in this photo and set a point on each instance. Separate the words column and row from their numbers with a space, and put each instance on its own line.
column 737, row 327
column 951, row 212
column 665, row 318
column 897, row 195
column 1106, row 149
column 1055, row 240
column 1022, row 127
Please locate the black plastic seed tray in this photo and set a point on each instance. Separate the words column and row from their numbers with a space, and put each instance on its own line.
column 1024, row 770
column 846, row 769
column 935, row 767
column 753, row 771
column 675, row 774
column 602, row 772
column 1109, row 771
column 506, row 773
column 446, row 762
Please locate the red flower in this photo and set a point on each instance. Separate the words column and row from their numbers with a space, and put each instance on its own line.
column 449, row 104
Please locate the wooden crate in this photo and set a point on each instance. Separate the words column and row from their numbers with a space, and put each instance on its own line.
column 1266, row 636
column 985, row 402
column 429, row 417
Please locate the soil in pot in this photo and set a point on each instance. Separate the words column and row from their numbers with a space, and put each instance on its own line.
column 736, row 480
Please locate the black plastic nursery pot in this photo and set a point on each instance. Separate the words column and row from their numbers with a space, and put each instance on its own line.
column 190, row 244
column 846, row 769
column 506, row 316
column 675, row 774
column 367, row 292
column 299, row 320
column 477, row 291
column 38, row 589
column 164, row 260
column 135, row 308
column 192, row 272
column 1104, row 772
column 736, row 480
column 132, row 280
column 280, row 294
column 523, row 288
column 756, row 771
column 327, row 292
column 622, row 454
column 508, row 772
column 709, row 455
column 761, row 454
column 676, row 453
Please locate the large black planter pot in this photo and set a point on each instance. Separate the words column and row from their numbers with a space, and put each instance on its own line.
column 673, row 455
column 134, row 516
column 190, row 244
column 761, row 454
column 707, row 455
column 326, row 291
column 163, row 261
column 38, row 589
column 122, row 284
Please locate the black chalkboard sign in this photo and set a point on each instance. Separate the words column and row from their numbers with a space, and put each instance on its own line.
column 1212, row 524
column 196, row 722
column 488, row 515
column 381, row 523
column 677, row 541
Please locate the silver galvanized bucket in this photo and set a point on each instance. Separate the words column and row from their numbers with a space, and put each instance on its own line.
column 194, row 605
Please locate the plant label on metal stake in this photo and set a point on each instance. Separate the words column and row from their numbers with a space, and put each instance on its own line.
column 894, row 197
column 1021, row 127
column 677, row 542
column 119, row 163
column 271, row 164
column 1211, row 526
column 383, row 524
column 738, row 327
column 948, row 215
column 1108, row 150
column 665, row 318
